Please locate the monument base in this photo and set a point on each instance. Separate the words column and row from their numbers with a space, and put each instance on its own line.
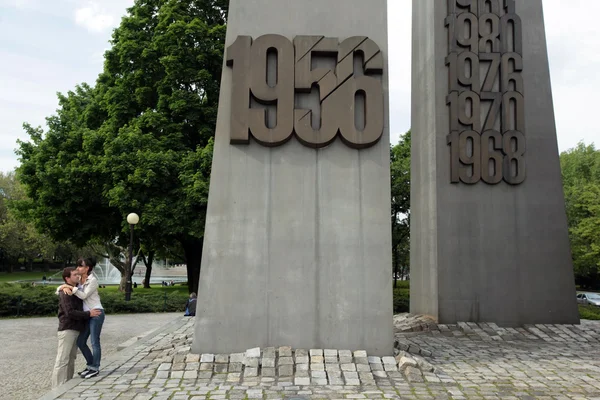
column 487, row 251
column 297, row 246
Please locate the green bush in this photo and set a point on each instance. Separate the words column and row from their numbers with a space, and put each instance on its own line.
column 401, row 300
column 589, row 312
column 26, row 300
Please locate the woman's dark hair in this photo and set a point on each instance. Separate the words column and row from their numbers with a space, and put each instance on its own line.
column 67, row 273
column 80, row 262
column 91, row 263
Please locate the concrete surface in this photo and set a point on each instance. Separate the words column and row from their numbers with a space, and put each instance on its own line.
column 297, row 246
column 489, row 253
column 29, row 349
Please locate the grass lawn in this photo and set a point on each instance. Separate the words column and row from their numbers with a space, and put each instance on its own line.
column 26, row 276
column 589, row 312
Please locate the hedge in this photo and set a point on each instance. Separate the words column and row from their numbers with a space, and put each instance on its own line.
column 26, row 300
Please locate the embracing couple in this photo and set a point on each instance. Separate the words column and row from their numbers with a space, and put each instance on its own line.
column 80, row 316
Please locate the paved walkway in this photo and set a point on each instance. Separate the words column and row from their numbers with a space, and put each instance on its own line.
column 29, row 349
column 474, row 361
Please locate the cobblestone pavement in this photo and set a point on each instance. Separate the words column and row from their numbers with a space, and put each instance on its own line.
column 29, row 349
column 474, row 361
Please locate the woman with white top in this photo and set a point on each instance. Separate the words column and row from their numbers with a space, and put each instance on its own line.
column 87, row 290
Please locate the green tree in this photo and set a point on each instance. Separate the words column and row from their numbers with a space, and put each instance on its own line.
column 140, row 140
column 581, row 182
column 400, row 181
column 18, row 238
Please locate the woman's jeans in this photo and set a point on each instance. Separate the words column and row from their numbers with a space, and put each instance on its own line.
column 93, row 329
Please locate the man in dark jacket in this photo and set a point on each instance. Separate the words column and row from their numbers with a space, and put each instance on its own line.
column 71, row 320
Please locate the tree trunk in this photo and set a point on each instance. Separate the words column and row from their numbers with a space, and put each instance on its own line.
column 123, row 283
column 148, row 264
column 193, row 257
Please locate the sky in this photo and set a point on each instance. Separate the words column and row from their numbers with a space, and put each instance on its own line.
column 49, row 46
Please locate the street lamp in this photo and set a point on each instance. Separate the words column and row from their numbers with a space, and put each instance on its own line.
column 132, row 219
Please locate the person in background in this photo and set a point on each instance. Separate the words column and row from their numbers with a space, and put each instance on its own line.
column 190, row 305
column 87, row 291
column 71, row 321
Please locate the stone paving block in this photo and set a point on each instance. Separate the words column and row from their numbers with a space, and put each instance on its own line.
column 236, row 358
column 207, row 366
column 380, row 374
column 192, row 358
column 317, row 359
column 346, row 359
column 305, row 381
column 388, row 360
column 345, row 353
column 286, row 360
column 302, row 374
column 317, row 367
column 207, row 358
column 176, row 375
column 268, row 372
column 332, row 367
column 164, row 367
column 233, row 376
column 348, row 367
column 251, row 362
column 389, row 367
column 318, row 374
column 285, row 370
column 285, row 351
column 363, row 367
column 190, row 375
column 316, row 352
column 221, row 368
column 222, row 358
column 205, row 374
column 376, row 367
column 162, row 374
column 269, row 352
column 253, row 353
column 188, row 366
column 268, row 362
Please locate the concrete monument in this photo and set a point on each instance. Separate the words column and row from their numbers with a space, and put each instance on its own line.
column 489, row 235
column 297, row 246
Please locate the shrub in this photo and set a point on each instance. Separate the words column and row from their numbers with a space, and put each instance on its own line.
column 589, row 312
column 401, row 300
column 26, row 300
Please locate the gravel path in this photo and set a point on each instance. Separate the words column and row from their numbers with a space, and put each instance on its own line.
column 29, row 349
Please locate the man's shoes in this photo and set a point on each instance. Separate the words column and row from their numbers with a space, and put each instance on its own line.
column 91, row 374
column 83, row 373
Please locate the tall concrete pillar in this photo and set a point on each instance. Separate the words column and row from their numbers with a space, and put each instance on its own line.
column 489, row 238
column 297, row 246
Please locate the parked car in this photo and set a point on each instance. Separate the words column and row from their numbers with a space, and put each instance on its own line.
column 589, row 298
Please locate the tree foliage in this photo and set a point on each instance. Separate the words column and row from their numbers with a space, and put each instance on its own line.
column 581, row 182
column 19, row 239
column 140, row 140
column 400, row 181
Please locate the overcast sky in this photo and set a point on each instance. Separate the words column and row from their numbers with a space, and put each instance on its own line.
column 49, row 46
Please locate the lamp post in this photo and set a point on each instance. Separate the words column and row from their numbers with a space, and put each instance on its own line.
column 132, row 220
